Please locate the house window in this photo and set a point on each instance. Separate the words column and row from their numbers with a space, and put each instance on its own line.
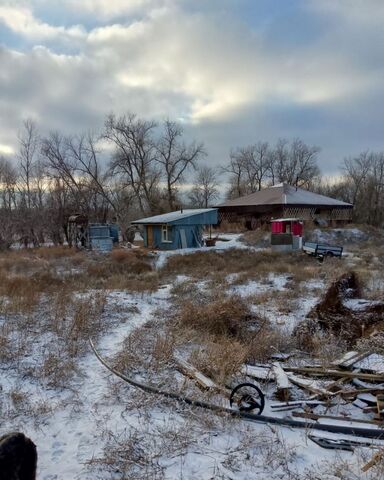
column 166, row 234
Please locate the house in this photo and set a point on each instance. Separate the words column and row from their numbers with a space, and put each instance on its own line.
column 284, row 201
column 180, row 229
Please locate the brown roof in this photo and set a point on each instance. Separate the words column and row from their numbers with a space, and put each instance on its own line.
column 284, row 194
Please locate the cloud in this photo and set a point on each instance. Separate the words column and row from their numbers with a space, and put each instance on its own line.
column 6, row 149
column 21, row 20
column 227, row 79
column 110, row 9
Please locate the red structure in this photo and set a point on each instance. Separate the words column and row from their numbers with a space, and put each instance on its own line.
column 287, row 234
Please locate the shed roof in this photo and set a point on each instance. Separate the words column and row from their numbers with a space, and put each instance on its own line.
column 172, row 217
column 284, row 194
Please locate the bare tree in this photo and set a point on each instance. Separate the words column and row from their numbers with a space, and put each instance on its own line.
column 28, row 149
column 253, row 167
column 364, row 179
column 135, row 157
column 8, row 183
column 294, row 163
column 205, row 189
column 235, row 169
column 255, row 163
column 357, row 170
column 85, row 160
column 8, row 203
column 175, row 157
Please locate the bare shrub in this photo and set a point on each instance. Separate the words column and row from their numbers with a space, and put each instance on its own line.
column 267, row 342
column 84, row 323
column 162, row 352
column 220, row 359
column 146, row 350
column 119, row 262
column 227, row 316
column 123, row 269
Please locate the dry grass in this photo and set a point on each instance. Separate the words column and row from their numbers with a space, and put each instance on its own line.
column 123, row 269
column 226, row 316
column 148, row 349
column 255, row 264
column 220, row 359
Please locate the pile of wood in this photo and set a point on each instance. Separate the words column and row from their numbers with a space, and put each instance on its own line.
column 356, row 377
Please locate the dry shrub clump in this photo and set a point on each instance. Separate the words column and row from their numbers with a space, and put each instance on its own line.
column 24, row 291
column 227, row 316
column 82, row 320
column 146, row 350
column 220, row 359
column 230, row 334
column 123, row 269
column 268, row 341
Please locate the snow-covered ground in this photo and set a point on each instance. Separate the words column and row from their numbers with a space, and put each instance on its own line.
column 74, row 431
column 72, row 426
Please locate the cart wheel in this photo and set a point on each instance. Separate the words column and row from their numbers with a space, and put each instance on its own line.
column 248, row 397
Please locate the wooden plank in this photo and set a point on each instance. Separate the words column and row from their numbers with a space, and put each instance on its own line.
column 321, row 372
column 349, row 359
column 192, row 372
column 299, row 403
column 368, row 398
column 371, row 363
column 308, row 385
column 313, row 416
column 260, row 373
column 282, row 382
column 380, row 405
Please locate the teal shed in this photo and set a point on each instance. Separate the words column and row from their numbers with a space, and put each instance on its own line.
column 180, row 229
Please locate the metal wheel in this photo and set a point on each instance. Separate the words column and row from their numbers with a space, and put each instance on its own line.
column 248, row 397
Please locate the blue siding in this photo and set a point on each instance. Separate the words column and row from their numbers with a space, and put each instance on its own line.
column 193, row 235
column 192, row 225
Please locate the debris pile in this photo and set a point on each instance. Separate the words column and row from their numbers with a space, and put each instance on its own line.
column 334, row 313
column 355, row 381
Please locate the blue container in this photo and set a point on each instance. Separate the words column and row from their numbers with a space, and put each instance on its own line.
column 114, row 232
column 102, row 244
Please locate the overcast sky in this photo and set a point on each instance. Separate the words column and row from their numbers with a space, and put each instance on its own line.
column 233, row 71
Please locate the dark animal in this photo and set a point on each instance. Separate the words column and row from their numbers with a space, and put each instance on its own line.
column 18, row 457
